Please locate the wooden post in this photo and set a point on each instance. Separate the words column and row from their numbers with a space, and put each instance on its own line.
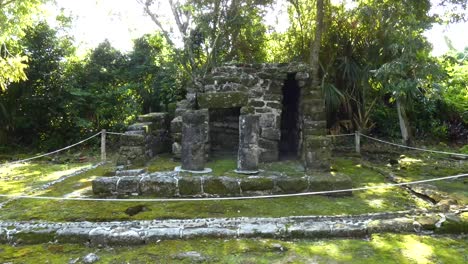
column 357, row 141
column 103, row 145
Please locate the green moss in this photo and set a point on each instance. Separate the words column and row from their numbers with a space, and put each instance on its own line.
column 162, row 162
column 222, row 100
column 382, row 248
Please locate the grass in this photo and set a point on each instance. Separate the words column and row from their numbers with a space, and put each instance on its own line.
column 381, row 248
column 377, row 200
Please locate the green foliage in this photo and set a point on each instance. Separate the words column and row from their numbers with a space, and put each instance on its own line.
column 15, row 17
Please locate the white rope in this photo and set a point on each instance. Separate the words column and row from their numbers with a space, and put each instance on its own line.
column 341, row 135
column 414, row 148
column 53, row 152
column 122, row 134
column 232, row 198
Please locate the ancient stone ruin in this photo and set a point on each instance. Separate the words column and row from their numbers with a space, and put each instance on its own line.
column 259, row 113
column 264, row 112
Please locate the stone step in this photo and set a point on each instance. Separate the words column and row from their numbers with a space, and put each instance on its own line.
column 130, row 172
column 143, row 126
column 142, row 232
column 171, row 184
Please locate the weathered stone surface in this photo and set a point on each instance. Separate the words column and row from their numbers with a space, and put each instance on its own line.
column 90, row 258
column 327, row 182
column 176, row 150
column 256, row 183
column 189, row 186
column 135, row 172
column 144, row 126
column 176, row 125
column 158, row 120
column 72, row 235
column 157, row 185
column 269, row 155
column 128, row 185
column 248, row 154
column 225, row 186
column 105, row 185
column 292, row 184
column 156, row 234
column 222, row 100
column 249, row 130
column 194, row 137
column 271, row 133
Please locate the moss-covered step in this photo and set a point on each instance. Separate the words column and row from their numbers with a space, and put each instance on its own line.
column 151, row 231
column 173, row 184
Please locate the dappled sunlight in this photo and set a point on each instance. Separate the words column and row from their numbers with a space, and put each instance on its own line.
column 417, row 251
column 375, row 203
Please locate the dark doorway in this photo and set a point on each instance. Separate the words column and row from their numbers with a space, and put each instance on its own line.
column 289, row 143
column 224, row 129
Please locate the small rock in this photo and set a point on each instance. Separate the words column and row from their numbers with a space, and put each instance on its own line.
column 278, row 247
column 73, row 261
column 193, row 256
column 90, row 258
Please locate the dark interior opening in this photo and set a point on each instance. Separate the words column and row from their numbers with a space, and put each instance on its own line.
column 224, row 129
column 289, row 143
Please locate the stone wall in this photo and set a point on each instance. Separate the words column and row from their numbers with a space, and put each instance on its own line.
column 144, row 139
column 257, row 89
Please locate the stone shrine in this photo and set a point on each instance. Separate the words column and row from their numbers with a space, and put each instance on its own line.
column 264, row 112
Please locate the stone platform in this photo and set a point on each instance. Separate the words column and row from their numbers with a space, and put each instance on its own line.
column 175, row 184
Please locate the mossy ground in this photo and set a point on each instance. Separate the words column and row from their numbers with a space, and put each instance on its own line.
column 382, row 248
column 377, row 200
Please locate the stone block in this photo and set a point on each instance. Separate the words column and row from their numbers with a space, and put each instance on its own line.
column 256, row 103
column 273, row 97
column 256, row 183
column 273, row 105
column 194, row 136
column 326, row 181
column 269, row 120
column 176, row 150
column 271, row 133
column 146, row 126
column 312, row 124
column 249, row 130
column 189, row 186
column 301, row 76
column 268, row 145
column 132, row 140
column 292, row 184
column 104, row 185
column 224, row 186
column 159, row 186
column 176, row 124
column 159, row 120
column 222, row 100
column 128, row 184
column 73, row 235
column 248, row 158
column 269, row 155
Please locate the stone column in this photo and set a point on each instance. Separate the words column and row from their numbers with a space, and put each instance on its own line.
column 249, row 129
column 194, row 137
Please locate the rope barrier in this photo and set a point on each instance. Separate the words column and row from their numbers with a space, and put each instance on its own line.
column 414, row 148
column 341, row 135
column 53, row 152
column 122, row 134
column 232, row 198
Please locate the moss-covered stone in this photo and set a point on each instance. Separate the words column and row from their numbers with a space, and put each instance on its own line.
column 327, row 182
column 104, row 185
column 292, row 184
column 255, row 183
column 159, row 186
column 34, row 237
column 224, row 186
column 222, row 100
column 189, row 186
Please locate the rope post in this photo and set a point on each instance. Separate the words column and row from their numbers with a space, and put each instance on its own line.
column 103, row 145
column 357, row 141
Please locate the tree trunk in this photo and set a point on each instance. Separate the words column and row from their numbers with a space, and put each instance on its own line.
column 404, row 123
column 315, row 46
